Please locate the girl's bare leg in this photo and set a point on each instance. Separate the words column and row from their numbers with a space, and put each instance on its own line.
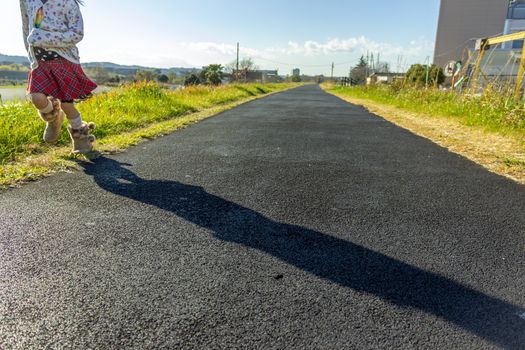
column 40, row 101
column 48, row 107
column 72, row 114
column 49, row 111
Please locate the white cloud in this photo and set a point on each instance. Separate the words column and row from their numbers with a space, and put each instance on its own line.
column 211, row 48
column 357, row 44
column 309, row 53
column 313, row 48
column 227, row 50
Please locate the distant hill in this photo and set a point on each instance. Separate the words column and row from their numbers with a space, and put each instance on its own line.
column 6, row 59
column 130, row 70
column 111, row 67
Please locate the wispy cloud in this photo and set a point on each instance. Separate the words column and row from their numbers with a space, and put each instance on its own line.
column 314, row 48
column 228, row 50
column 305, row 53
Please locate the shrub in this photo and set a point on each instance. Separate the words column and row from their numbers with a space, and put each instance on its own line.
column 417, row 75
column 192, row 80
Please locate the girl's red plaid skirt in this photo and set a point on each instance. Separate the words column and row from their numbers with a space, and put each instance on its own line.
column 61, row 79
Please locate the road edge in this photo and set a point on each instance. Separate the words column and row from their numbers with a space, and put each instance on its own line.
column 60, row 159
column 473, row 143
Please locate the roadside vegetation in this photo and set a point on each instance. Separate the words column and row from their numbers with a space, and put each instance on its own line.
column 488, row 128
column 124, row 116
column 13, row 86
column 492, row 111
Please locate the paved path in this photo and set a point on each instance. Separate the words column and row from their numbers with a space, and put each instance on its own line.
column 293, row 222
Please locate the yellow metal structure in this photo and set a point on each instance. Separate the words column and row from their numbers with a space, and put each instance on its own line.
column 486, row 43
column 505, row 38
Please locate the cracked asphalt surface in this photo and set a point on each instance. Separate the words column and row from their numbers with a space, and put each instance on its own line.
column 297, row 221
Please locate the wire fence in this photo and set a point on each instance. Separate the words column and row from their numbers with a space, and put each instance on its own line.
column 495, row 65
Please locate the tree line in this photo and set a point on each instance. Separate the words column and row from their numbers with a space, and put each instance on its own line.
column 213, row 74
column 417, row 74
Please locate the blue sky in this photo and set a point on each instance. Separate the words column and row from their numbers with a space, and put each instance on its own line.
column 276, row 34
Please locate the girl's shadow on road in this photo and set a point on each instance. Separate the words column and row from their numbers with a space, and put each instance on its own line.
column 327, row 257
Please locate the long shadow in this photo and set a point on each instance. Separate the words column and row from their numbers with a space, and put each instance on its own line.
column 322, row 255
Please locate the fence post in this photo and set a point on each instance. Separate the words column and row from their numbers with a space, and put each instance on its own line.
column 520, row 74
column 477, row 69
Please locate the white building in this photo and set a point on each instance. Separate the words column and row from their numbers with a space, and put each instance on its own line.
column 515, row 22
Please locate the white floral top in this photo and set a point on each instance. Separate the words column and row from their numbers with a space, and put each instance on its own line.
column 55, row 25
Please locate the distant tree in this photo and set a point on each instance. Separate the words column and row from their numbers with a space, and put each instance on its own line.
column 115, row 79
column 163, row 78
column 192, row 79
column 172, row 77
column 419, row 75
column 144, row 75
column 98, row 74
column 296, row 78
column 212, row 74
column 359, row 72
column 246, row 65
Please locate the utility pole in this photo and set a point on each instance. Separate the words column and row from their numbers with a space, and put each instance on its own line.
column 367, row 68
column 237, row 57
column 333, row 66
column 399, row 63
column 427, row 61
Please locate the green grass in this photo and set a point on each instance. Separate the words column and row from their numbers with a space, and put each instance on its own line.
column 119, row 111
column 14, row 68
column 514, row 162
column 491, row 111
column 12, row 86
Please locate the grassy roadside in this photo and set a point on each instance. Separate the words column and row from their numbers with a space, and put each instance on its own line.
column 488, row 130
column 124, row 117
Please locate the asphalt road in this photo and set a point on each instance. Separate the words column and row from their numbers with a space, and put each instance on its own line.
column 297, row 221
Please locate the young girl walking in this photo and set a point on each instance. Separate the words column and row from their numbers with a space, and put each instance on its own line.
column 52, row 29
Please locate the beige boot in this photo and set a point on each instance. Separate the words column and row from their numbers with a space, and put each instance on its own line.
column 82, row 139
column 54, row 121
